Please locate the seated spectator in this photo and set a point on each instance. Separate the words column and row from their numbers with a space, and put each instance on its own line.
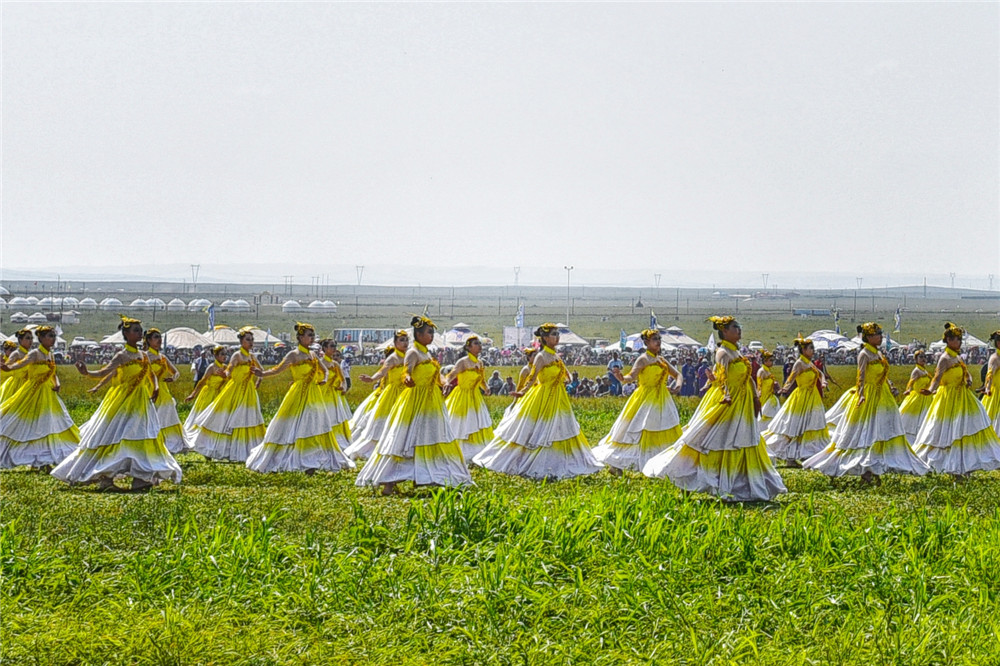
column 574, row 383
column 508, row 386
column 495, row 383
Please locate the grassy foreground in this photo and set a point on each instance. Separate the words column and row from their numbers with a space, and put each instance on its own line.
column 233, row 567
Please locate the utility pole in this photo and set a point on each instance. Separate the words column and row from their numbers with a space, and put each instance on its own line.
column 952, row 274
column 764, row 276
column 194, row 277
column 656, row 277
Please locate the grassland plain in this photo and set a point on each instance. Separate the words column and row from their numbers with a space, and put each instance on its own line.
column 232, row 567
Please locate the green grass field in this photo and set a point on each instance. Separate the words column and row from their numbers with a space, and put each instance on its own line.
column 233, row 567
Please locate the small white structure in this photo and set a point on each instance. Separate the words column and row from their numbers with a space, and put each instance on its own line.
column 19, row 318
column 183, row 337
column 227, row 305
column 87, row 304
column 50, row 304
column 71, row 302
column 176, row 305
column 198, row 304
column 19, row 302
column 322, row 307
column 37, row 318
column 32, row 300
column 291, row 306
column 240, row 305
column 139, row 304
column 110, row 303
column 4, row 292
column 156, row 304
column 223, row 335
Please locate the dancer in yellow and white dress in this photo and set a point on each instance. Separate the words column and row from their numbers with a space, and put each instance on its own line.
column 300, row 436
column 767, row 385
column 869, row 440
column 798, row 430
column 231, row 425
column 14, row 378
column 522, row 381
column 956, row 437
column 468, row 415
column 363, row 412
column 8, row 347
column 913, row 409
column 166, row 406
column 333, row 391
column 648, row 423
column 391, row 376
column 35, row 428
column 206, row 391
column 122, row 438
column 991, row 387
column 721, row 450
column 418, row 444
column 540, row 438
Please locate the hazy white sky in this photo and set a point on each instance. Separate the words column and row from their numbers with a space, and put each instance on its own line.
column 846, row 137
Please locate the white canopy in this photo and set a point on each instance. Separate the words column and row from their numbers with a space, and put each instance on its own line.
column 88, row 304
column 827, row 339
column 459, row 333
column 183, row 337
column 673, row 335
column 113, row 339
column 969, row 341
column 569, row 338
column 223, row 335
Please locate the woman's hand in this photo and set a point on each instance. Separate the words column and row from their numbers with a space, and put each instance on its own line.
column 82, row 368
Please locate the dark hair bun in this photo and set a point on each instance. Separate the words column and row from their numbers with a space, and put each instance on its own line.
column 859, row 328
column 538, row 332
column 415, row 321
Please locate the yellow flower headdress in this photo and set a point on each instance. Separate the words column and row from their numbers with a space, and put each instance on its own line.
column 648, row 333
column 247, row 330
column 920, row 352
column 217, row 348
column 545, row 329
column 420, row 321
column 764, row 354
column 720, row 323
column 952, row 331
column 9, row 345
column 301, row 327
column 995, row 337
column 401, row 333
column 150, row 333
column 469, row 340
column 44, row 328
column 22, row 333
column 869, row 328
column 127, row 321
column 801, row 342
column 529, row 352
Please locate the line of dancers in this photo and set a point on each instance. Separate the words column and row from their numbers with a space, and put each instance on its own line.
column 405, row 430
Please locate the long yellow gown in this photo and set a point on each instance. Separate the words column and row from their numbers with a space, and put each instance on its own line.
column 721, row 451
column 913, row 409
column 363, row 441
column 123, row 436
column 799, row 430
column 647, row 425
column 166, row 406
column 869, row 436
column 231, row 425
column 13, row 379
column 209, row 392
column 769, row 404
column 956, row 436
column 418, row 444
column 300, row 437
column 540, row 437
column 468, row 415
column 992, row 401
column 336, row 405
column 35, row 428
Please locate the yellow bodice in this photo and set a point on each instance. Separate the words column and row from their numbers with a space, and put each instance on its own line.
column 426, row 373
column 652, row 375
column 395, row 375
column 131, row 374
column 920, row 383
column 241, row 373
column 213, row 383
column 552, row 373
column 158, row 364
column 875, row 373
column 306, row 370
column 808, row 378
column 767, row 386
column 735, row 376
column 469, row 379
column 953, row 377
column 38, row 373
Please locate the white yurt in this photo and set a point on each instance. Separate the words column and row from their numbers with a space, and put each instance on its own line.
column 198, row 304
column 18, row 302
column 110, row 303
column 176, row 305
column 156, row 304
column 223, row 335
column 227, row 305
column 37, row 318
column 139, row 304
column 50, row 303
column 32, row 300
column 183, row 337
column 71, row 302
column 87, row 304
column 241, row 305
column 291, row 306
column 19, row 318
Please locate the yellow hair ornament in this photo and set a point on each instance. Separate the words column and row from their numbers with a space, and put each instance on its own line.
column 721, row 323
column 420, row 321
column 301, row 327
column 764, row 354
column 402, row 333
column 546, row 329
column 9, row 345
column 127, row 321
column 469, row 340
column 44, row 328
column 801, row 342
column 648, row 333
column 952, row 331
column 218, row 348
column 995, row 337
column 869, row 328
column 243, row 331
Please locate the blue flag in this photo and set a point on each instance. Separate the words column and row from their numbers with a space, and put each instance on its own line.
column 519, row 321
column 836, row 320
column 623, row 340
column 898, row 318
column 211, row 317
column 652, row 319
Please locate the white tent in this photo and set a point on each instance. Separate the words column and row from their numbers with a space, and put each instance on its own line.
column 110, row 304
column 156, row 304
column 223, row 335
column 113, row 339
column 139, row 304
column 198, row 304
column 60, row 341
column 262, row 338
column 570, row 339
column 18, row 318
column 438, row 343
column 240, row 305
column 18, row 302
column 176, row 305
column 459, row 333
column 826, row 339
column 88, row 304
column 37, row 318
column 969, row 341
column 673, row 335
column 183, row 337
column 70, row 302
